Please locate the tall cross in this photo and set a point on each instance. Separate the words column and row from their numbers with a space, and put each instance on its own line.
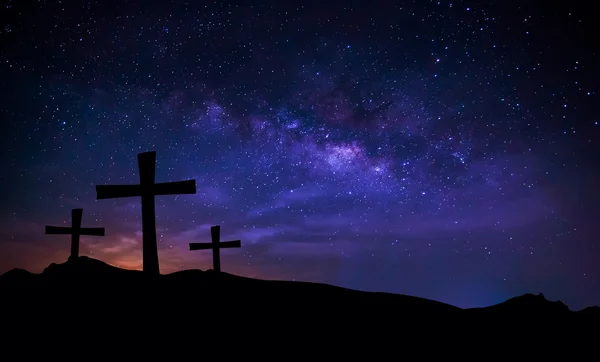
column 147, row 189
column 75, row 231
column 216, row 245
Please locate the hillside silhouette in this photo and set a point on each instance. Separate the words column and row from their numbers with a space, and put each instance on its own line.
column 95, row 282
column 86, row 275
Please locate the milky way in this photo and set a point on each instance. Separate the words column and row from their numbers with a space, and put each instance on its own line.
column 433, row 148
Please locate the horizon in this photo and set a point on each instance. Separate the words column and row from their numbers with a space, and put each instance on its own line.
column 291, row 281
column 444, row 150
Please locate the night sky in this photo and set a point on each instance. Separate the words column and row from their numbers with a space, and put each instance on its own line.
column 443, row 149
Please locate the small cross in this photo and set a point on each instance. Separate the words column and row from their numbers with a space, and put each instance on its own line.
column 75, row 231
column 216, row 246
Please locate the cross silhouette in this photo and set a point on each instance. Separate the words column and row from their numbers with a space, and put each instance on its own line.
column 147, row 189
column 75, row 231
column 216, row 246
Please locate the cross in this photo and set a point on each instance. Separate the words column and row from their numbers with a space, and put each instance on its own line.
column 216, row 246
column 75, row 231
column 147, row 189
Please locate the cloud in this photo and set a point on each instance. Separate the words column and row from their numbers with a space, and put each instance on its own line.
column 22, row 231
column 120, row 244
column 212, row 194
column 288, row 198
column 191, row 235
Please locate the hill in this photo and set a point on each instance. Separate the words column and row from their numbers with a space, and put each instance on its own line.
column 84, row 285
column 89, row 276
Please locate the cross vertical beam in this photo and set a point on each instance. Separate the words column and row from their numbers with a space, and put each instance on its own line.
column 75, row 231
column 216, row 245
column 147, row 165
column 215, row 235
column 76, row 215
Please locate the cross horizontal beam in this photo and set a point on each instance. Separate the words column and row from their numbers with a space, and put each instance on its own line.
column 117, row 191
column 63, row 230
column 220, row 245
column 186, row 187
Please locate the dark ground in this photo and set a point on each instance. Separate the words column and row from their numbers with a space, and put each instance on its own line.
column 95, row 300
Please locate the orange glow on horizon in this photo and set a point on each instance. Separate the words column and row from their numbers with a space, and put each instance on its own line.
column 36, row 256
column 124, row 250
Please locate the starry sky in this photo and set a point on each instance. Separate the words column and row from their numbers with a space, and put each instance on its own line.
column 442, row 149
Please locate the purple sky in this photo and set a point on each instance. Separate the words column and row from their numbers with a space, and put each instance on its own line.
column 443, row 150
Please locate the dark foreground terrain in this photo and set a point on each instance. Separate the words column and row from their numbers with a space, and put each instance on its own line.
column 89, row 293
